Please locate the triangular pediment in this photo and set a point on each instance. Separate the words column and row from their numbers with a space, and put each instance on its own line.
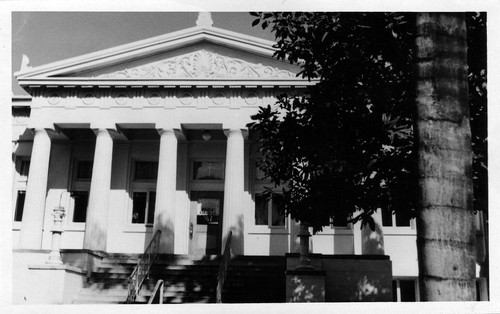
column 208, row 54
column 200, row 64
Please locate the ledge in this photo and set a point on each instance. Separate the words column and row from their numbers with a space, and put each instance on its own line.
column 68, row 268
column 100, row 254
column 342, row 256
column 30, row 251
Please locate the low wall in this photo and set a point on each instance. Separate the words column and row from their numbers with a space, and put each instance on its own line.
column 352, row 278
column 36, row 282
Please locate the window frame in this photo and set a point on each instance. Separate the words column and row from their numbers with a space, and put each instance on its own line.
column 78, row 185
column 269, row 228
column 20, row 185
column 393, row 229
column 258, row 187
column 146, row 210
column 398, row 287
column 139, row 185
column 205, row 185
column 134, row 168
column 212, row 160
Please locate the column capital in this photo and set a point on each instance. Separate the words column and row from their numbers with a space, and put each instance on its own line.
column 237, row 131
column 50, row 132
column 111, row 132
column 171, row 131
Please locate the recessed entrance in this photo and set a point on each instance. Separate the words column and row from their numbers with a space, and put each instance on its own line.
column 205, row 226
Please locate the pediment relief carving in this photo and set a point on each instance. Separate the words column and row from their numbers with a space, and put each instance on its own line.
column 201, row 64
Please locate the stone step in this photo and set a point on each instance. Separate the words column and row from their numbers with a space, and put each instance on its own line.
column 189, row 280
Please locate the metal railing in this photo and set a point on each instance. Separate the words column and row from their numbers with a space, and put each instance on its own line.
column 141, row 271
column 158, row 288
column 221, row 276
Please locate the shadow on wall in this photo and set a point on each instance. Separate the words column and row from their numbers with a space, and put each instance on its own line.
column 373, row 240
column 278, row 242
column 237, row 243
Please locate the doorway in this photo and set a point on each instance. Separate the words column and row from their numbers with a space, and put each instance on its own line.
column 205, row 222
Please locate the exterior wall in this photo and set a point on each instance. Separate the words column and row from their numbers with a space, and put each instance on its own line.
column 397, row 242
column 122, row 237
column 401, row 246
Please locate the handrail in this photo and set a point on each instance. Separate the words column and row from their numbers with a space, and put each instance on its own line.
column 221, row 276
column 141, row 271
column 158, row 287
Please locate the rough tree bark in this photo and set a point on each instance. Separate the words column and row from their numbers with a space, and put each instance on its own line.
column 445, row 222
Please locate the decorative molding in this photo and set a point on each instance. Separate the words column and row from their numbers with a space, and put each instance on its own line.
column 139, row 98
column 218, row 97
column 198, row 65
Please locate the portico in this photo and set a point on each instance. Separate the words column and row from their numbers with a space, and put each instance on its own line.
column 128, row 132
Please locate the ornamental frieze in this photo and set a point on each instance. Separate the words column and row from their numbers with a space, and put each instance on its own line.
column 200, row 98
column 201, row 64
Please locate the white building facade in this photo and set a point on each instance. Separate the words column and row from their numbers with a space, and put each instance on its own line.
column 152, row 136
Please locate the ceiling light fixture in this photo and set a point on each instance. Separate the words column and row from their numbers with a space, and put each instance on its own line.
column 206, row 135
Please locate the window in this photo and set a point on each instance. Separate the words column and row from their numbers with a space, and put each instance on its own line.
column 266, row 211
column 143, row 208
column 404, row 290
column 259, row 174
column 79, row 193
column 21, row 196
column 84, row 169
column 22, row 167
column 80, row 204
column 208, row 170
column 398, row 219
column 146, row 170
column 340, row 220
column 209, row 211
column 143, row 194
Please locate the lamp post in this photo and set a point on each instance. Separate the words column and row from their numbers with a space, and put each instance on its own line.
column 57, row 230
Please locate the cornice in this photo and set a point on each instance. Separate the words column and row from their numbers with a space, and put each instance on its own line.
column 192, row 83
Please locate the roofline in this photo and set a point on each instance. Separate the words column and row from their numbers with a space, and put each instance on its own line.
column 93, row 82
column 173, row 40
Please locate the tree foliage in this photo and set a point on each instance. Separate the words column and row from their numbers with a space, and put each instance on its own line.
column 347, row 148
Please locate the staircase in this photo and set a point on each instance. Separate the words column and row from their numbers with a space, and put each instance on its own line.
column 188, row 279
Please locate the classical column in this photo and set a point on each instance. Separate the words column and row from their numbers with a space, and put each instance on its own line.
column 165, row 190
column 97, row 212
column 233, row 190
column 34, row 206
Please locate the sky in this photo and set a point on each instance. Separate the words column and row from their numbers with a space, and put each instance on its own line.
column 47, row 37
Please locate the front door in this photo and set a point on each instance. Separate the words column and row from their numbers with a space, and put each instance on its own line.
column 205, row 226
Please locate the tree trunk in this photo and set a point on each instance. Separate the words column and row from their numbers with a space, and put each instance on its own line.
column 445, row 222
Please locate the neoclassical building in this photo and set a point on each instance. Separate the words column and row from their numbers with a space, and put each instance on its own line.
column 152, row 136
